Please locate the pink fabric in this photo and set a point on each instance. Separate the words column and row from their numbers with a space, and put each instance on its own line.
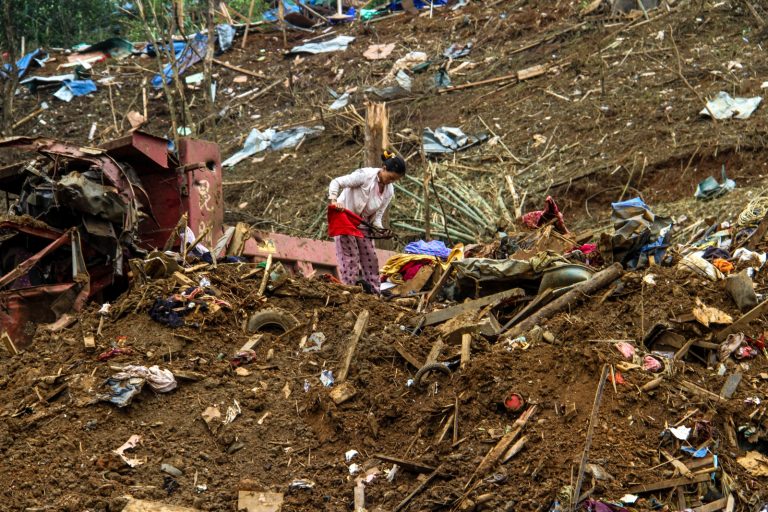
column 538, row 218
column 356, row 257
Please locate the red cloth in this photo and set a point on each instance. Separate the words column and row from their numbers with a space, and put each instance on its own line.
column 409, row 270
column 343, row 222
column 538, row 218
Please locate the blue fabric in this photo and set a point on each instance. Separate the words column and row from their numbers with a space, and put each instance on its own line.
column 433, row 248
column 178, row 47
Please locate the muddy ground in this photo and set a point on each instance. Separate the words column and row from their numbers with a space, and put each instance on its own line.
column 616, row 114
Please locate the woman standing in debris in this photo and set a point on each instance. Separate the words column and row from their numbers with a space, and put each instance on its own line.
column 366, row 192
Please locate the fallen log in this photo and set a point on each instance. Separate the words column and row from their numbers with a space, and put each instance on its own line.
column 596, row 283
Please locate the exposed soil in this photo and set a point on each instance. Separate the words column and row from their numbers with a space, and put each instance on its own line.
column 615, row 114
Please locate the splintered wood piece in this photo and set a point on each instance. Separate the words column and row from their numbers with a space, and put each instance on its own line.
column 357, row 332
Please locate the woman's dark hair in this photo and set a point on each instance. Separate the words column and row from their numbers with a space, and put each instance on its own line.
column 393, row 162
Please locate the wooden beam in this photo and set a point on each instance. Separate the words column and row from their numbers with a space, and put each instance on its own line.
column 441, row 315
column 693, row 388
column 247, row 25
column 237, row 68
column 357, row 332
column 667, row 484
column 466, row 346
column 713, row 507
column 590, row 430
column 409, row 465
column 743, row 321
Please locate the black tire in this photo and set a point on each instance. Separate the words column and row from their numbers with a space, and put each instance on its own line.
column 433, row 367
column 274, row 318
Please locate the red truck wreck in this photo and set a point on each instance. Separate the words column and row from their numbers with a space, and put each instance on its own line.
column 77, row 215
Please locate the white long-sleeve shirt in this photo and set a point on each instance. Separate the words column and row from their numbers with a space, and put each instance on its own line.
column 359, row 193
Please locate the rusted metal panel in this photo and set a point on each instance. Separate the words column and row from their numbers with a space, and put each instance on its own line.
column 205, row 197
column 291, row 250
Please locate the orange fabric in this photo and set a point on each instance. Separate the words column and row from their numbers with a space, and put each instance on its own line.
column 724, row 266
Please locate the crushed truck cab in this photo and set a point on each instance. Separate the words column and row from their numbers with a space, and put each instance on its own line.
column 78, row 214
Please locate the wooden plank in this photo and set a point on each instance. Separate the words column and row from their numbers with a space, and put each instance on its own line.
column 357, row 332
column 410, row 465
column 342, row 393
column 135, row 505
column 743, row 321
column 407, row 356
column 416, row 491
column 253, row 501
column 441, row 315
column 89, row 342
column 667, row 484
column 466, row 344
column 501, row 447
column 731, row 383
column 712, row 507
column 532, row 306
column 590, row 431
column 693, row 388
column 434, row 352
column 252, row 342
column 8, row 343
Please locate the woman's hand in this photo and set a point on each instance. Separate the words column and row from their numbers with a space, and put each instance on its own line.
column 337, row 205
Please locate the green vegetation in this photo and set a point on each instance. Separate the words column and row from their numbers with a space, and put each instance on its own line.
column 64, row 23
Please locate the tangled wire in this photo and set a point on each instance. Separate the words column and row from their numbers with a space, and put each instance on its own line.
column 754, row 212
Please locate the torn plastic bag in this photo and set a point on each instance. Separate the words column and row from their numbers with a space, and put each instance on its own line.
column 160, row 380
column 338, row 43
column 448, row 140
column 259, row 141
column 272, row 14
column 225, row 34
column 457, row 51
column 600, row 506
column 340, row 102
column 122, row 391
column 726, row 107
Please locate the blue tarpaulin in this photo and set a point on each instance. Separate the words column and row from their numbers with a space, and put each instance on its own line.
column 193, row 52
column 36, row 58
column 72, row 88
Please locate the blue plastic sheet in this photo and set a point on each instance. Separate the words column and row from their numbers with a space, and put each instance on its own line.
column 23, row 65
column 193, row 52
column 701, row 452
column 271, row 15
column 433, row 248
column 73, row 88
